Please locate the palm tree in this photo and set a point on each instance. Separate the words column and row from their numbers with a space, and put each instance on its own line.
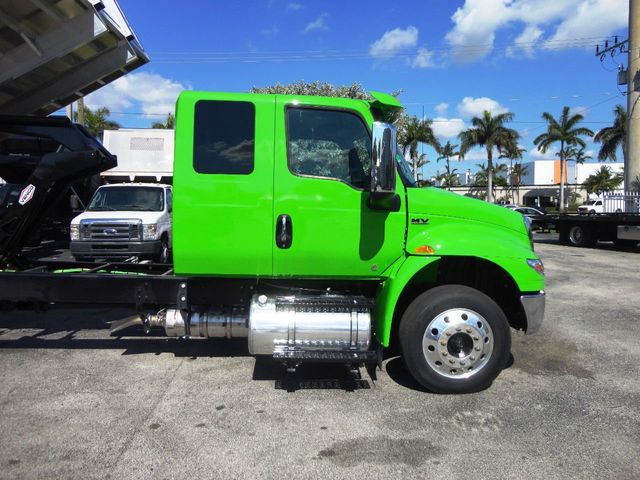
column 512, row 152
column 613, row 137
column 517, row 173
column 96, row 121
column 449, row 179
column 416, row 131
column 169, row 123
column 482, row 179
column 565, row 131
column 489, row 131
column 445, row 153
column 603, row 180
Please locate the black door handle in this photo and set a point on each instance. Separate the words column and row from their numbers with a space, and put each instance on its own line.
column 284, row 231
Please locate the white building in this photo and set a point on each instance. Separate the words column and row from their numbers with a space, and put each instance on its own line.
column 547, row 172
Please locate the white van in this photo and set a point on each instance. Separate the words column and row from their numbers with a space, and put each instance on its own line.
column 125, row 220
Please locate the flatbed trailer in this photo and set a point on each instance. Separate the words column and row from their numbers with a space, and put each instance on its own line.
column 586, row 230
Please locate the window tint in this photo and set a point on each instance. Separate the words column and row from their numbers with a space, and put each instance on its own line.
column 329, row 143
column 224, row 137
column 169, row 200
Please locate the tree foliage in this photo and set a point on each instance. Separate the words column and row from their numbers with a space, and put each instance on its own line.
column 446, row 152
column 169, row 123
column 604, row 180
column 97, row 121
column 566, row 131
column 410, row 135
column 613, row 137
column 489, row 131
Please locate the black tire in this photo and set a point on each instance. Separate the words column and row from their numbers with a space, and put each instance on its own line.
column 164, row 254
column 579, row 236
column 437, row 314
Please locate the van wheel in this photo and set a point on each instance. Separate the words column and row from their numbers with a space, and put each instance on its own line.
column 454, row 339
column 163, row 254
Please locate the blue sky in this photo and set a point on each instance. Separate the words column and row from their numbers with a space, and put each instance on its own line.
column 451, row 59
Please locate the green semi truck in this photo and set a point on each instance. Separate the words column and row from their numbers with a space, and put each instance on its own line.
column 298, row 225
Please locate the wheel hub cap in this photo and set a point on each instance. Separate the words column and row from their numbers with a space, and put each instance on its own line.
column 458, row 343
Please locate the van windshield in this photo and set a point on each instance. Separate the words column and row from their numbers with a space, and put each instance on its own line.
column 148, row 199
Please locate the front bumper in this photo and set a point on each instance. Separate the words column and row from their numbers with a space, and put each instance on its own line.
column 91, row 249
column 533, row 305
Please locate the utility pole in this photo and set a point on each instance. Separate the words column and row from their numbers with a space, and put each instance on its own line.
column 80, row 107
column 632, row 168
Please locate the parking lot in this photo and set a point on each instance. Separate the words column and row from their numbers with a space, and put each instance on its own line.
column 76, row 402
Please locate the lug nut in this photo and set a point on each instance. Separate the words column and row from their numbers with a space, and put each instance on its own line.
column 468, row 330
column 472, row 358
column 443, row 343
column 477, row 349
column 476, row 338
column 462, row 363
column 451, row 360
column 444, row 354
column 448, row 334
column 458, row 329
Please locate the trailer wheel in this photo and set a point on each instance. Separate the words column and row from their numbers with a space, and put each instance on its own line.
column 454, row 339
column 579, row 236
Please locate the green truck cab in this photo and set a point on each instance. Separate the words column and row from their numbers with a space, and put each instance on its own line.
column 308, row 195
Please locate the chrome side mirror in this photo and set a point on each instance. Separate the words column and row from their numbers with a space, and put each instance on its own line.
column 383, row 158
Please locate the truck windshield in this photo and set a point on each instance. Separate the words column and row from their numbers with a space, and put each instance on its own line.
column 405, row 171
column 127, row 198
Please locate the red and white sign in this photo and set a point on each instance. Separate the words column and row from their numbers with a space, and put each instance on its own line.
column 26, row 194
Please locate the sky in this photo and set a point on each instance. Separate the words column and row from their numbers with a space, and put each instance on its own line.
column 451, row 59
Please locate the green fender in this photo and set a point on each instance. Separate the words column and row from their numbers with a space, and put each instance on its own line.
column 392, row 288
column 426, row 266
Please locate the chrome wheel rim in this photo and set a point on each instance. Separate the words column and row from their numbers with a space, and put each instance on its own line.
column 458, row 343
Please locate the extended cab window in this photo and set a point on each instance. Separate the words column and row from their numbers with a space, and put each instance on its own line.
column 329, row 143
column 224, row 137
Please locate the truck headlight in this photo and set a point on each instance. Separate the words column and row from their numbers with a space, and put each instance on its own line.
column 74, row 231
column 150, row 232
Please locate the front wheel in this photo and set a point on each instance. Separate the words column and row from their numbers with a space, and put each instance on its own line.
column 454, row 339
column 164, row 254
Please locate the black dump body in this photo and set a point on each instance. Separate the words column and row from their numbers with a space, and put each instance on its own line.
column 44, row 162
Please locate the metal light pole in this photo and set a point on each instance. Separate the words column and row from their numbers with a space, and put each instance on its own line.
column 632, row 168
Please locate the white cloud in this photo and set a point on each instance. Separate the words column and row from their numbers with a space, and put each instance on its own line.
column 150, row 92
column 317, row 24
column 593, row 18
column 447, row 127
column 393, row 41
column 526, row 42
column 477, row 21
column 584, row 111
column 550, row 154
column 441, row 108
column 422, row 59
column 294, row 6
column 475, row 107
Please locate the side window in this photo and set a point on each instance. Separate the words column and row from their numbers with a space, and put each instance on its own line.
column 330, row 144
column 169, row 200
column 224, row 137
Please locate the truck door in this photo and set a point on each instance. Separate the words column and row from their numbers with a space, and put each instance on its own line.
column 223, row 184
column 323, row 226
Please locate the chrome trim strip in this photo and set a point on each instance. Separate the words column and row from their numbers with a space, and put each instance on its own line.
column 534, row 310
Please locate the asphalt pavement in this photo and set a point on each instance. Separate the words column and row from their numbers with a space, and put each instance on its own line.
column 77, row 403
